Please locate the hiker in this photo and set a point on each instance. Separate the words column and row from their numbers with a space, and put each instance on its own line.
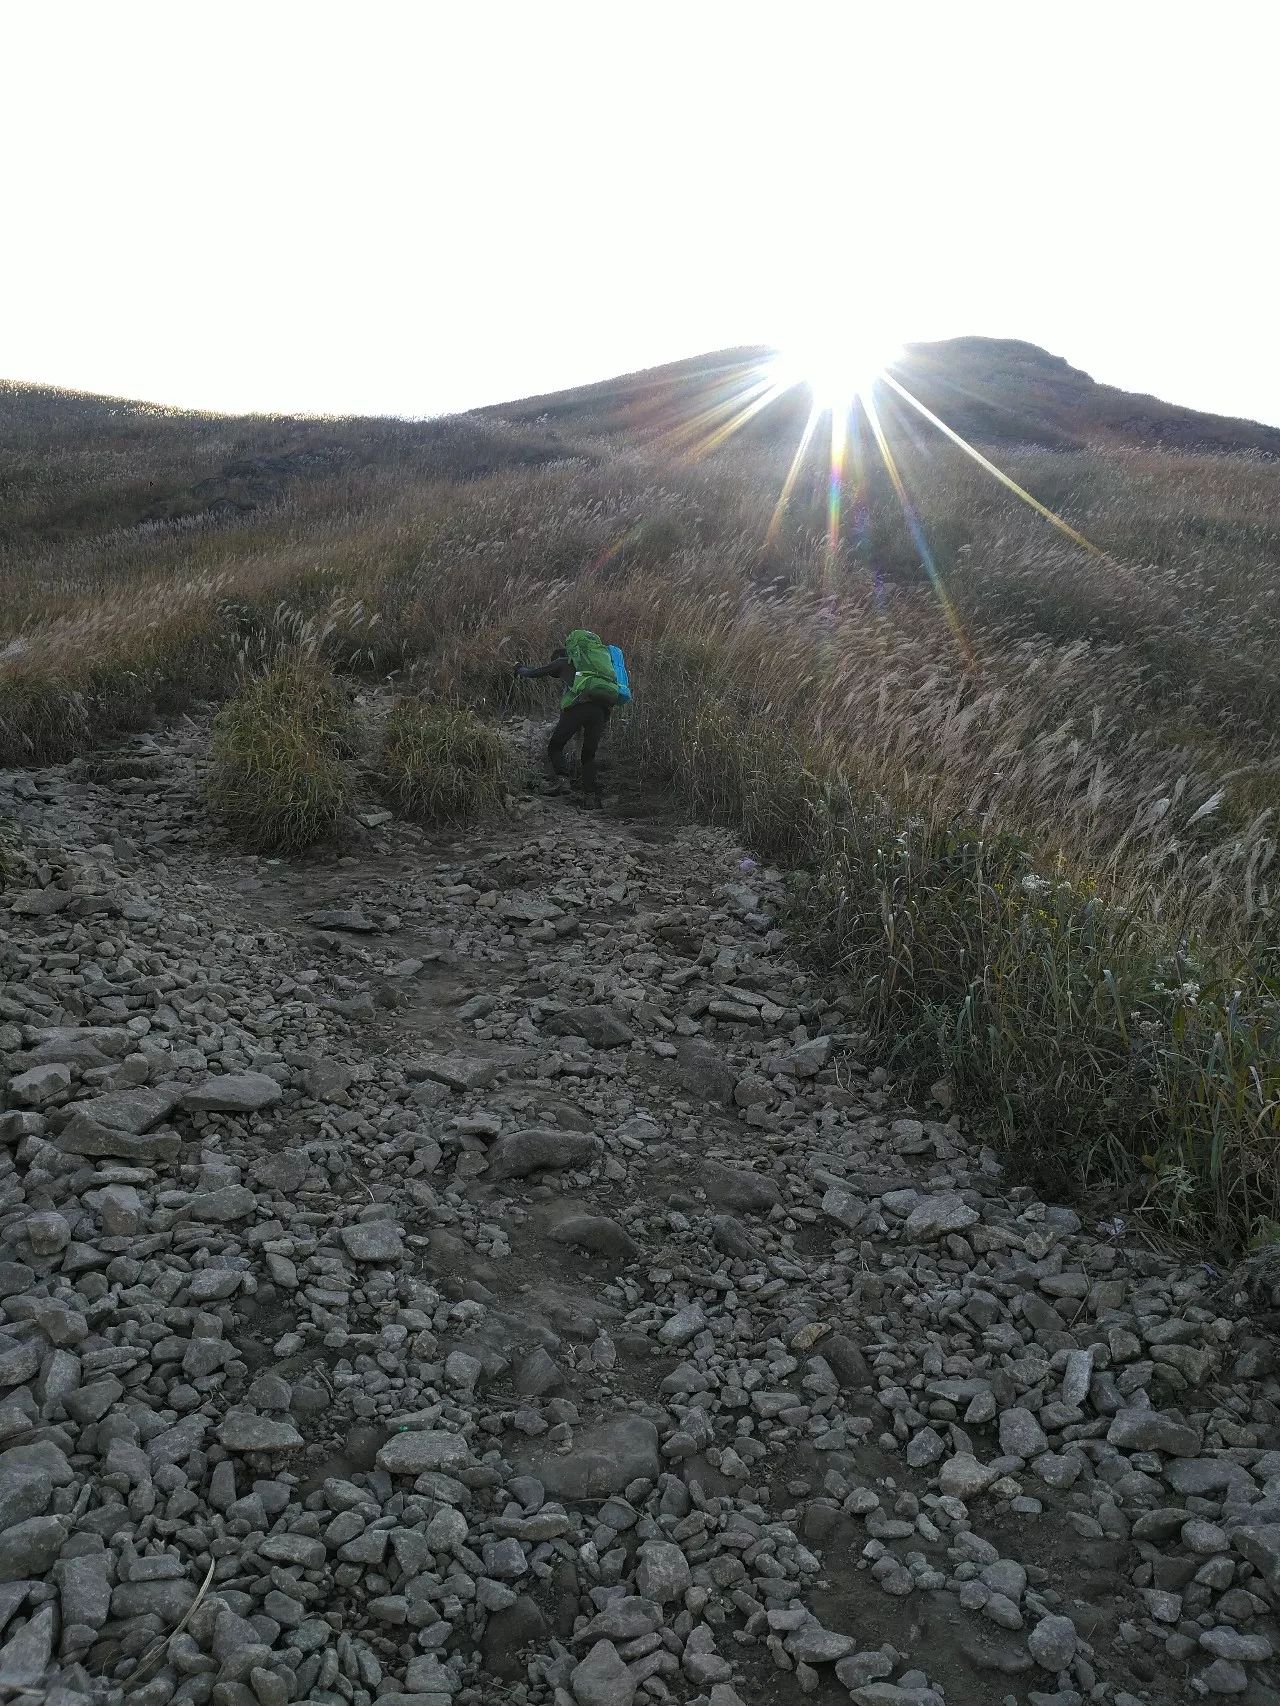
column 595, row 680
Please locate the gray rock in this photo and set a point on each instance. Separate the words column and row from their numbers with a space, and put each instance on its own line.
column 1259, row 1544
column 1077, row 1378
column 245, row 1430
column 169, row 1599
column 421, row 1453
column 19, row 1363
column 845, row 1208
column 739, row 1188
column 604, row 1460
column 85, row 1588
column 120, row 1210
column 222, row 1206
column 537, row 1151
column 1151, row 1430
column 457, row 1071
column 601, row 1026
column 811, row 1644
column 1226, row 1643
column 602, row 1678
column 234, row 1093
column 373, row 1241
column 1224, row 1676
column 39, row 1084
column 963, row 1477
column 598, row 1234
column 24, row 1659
column 623, row 1619
column 806, row 1060
column 84, row 1136
column 1021, row 1434
column 81, row 1045
column 24, row 1492
column 845, row 1361
column 29, row 1548
column 536, row 1374
column 343, row 918
column 300, row 1549
column 684, row 1325
column 663, row 1574
column 703, row 1072
column 327, row 1080
column 446, row 1530
column 135, row 1110
column 935, row 1217
column 1053, row 1642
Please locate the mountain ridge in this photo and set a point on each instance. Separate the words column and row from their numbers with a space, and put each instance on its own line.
column 995, row 390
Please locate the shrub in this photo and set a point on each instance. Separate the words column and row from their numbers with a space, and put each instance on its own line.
column 278, row 778
column 441, row 764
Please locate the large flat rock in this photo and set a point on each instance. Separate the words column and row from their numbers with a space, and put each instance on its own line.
column 604, row 1459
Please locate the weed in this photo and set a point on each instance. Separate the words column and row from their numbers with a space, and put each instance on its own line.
column 441, row 764
column 278, row 777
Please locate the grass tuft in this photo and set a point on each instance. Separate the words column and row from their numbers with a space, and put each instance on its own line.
column 279, row 780
column 441, row 764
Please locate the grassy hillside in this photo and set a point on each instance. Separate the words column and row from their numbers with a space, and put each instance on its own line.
column 1032, row 794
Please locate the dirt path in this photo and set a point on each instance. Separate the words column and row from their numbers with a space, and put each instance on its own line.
column 491, row 1260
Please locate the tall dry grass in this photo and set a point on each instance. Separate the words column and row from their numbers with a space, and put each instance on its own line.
column 1035, row 819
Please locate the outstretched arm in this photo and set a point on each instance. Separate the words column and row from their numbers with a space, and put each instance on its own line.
column 559, row 665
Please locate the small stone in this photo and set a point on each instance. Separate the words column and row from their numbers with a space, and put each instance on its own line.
column 244, row 1430
column 963, row 1477
column 456, row 1071
column 373, row 1241
column 1053, row 1642
column 1151, row 1430
column 234, row 1093
column 663, row 1574
column 1021, row 1434
column 424, row 1452
column 935, row 1217
column 814, row 1645
column 446, row 1530
column 602, row 1678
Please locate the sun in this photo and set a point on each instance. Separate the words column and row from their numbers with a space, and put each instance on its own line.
column 837, row 369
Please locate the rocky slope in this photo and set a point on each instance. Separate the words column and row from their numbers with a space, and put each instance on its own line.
column 486, row 1272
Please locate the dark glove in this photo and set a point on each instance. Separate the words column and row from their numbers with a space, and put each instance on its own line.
column 518, row 669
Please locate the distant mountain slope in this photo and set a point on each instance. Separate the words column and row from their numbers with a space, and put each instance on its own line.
column 74, row 464
column 993, row 390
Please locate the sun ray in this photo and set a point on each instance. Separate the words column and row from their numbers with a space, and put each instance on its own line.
column 916, row 530
column 788, row 485
column 768, row 393
column 998, row 473
column 835, row 480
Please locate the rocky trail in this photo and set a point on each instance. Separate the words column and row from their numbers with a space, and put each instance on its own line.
column 485, row 1272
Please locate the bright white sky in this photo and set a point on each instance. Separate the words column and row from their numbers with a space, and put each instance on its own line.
column 422, row 207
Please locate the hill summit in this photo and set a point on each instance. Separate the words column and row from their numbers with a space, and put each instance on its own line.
column 991, row 390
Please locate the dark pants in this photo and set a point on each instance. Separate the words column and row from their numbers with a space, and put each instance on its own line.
column 591, row 719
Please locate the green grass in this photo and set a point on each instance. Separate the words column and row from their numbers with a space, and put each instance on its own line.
column 441, row 765
column 279, row 776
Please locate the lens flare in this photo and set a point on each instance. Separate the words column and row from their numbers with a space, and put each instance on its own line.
column 837, row 370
